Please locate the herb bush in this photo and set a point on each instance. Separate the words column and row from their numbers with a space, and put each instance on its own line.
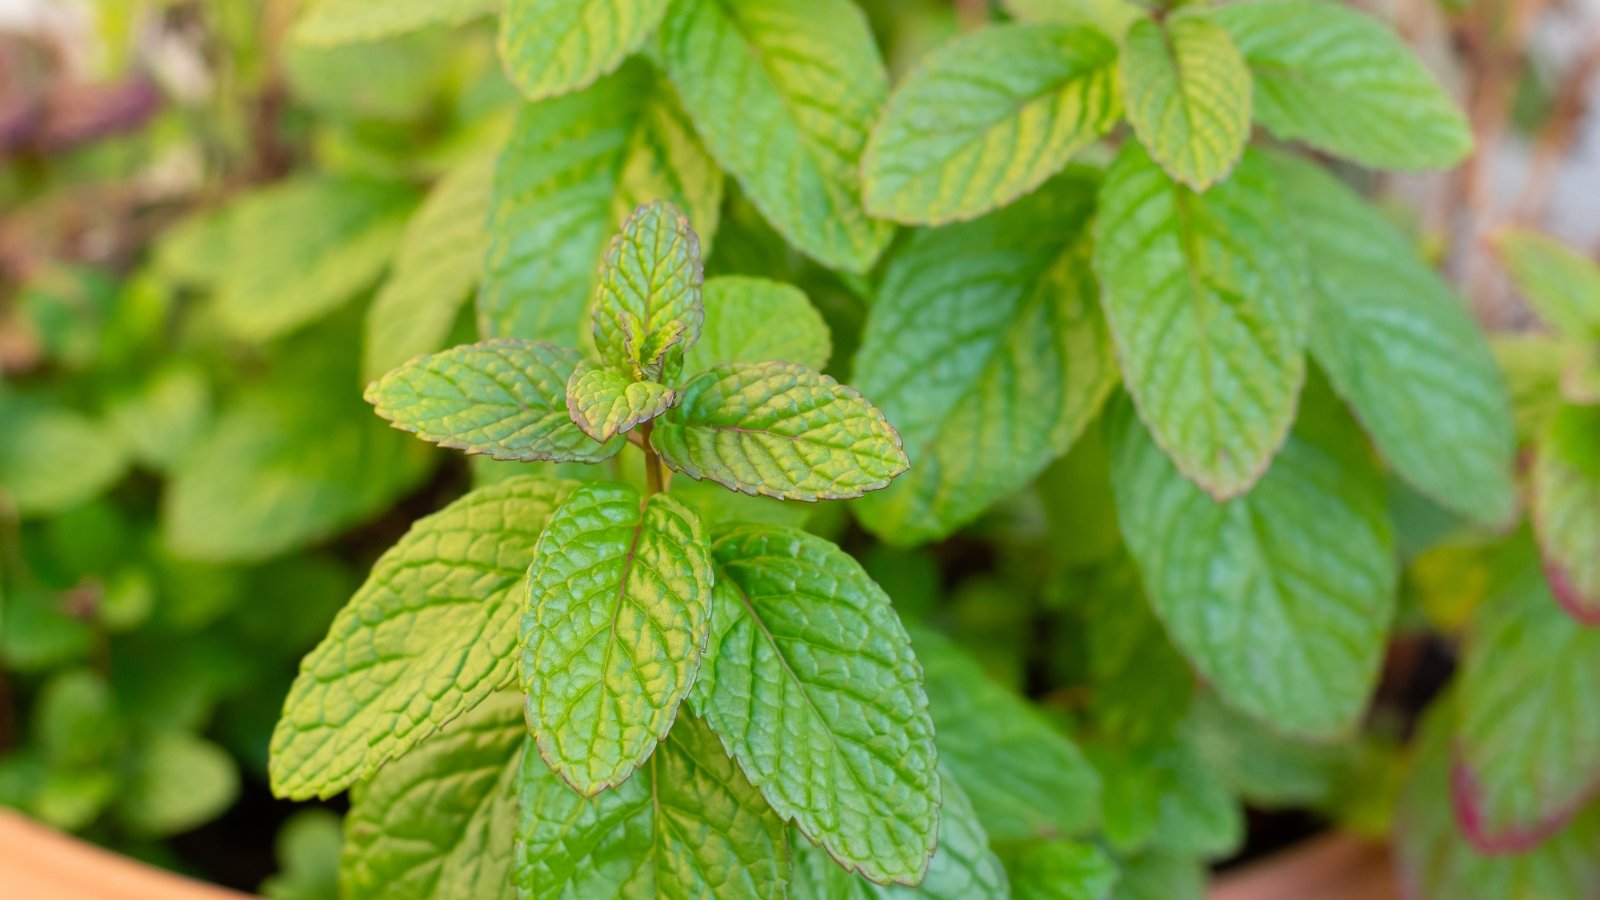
column 986, row 481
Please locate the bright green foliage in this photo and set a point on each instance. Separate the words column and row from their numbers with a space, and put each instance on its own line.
column 1330, row 76
column 987, row 350
column 55, row 459
column 177, row 782
column 811, row 684
column 1566, row 508
column 1529, row 670
column 435, row 268
column 1401, row 349
column 779, row 430
column 1188, row 97
column 429, row 636
column 1058, row 870
column 506, row 399
column 619, row 602
column 648, row 308
column 553, row 47
column 1288, row 612
column 1210, row 307
column 1025, row 778
column 1562, row 285
column 784, row 97
column 987, row 118
column 739, row 315
column 687, row 824
column 439, row 824
column 343, row 21
column 603, row 402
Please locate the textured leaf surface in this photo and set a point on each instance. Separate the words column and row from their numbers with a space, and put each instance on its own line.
column 963, row 868
column 1058, row 870
column 506, row 399
column 987, row 118
column 649, row 309
column 811, row 684
column 687, row 824
column 437, row 265
column 429, row 636
column 784, row 97
column 1188, row 96
column 779, row 430
column 553, row 47
column 619, row 597
column 1025, row 778
column 1401, row 348
column 1527, row 737
column 1566, row 509
column 1562, row 285
column 1342, row 82
column 987, row 351
column 439, row 823
column 1282, row 597
column 575, row 167
column 605, row 402
column 741, row 325
column 1209, row 307
column 348, row 21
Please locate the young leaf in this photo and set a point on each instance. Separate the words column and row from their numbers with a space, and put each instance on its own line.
column 779, row 430
column 687, row 824
column 429, row 636
column 349, row 21
column 1529, row 669
column 438, row 263
column 439, row 824
column 1282, row 597
column 987, row 350
column 619, row 596
column 741, row 313
column 1026, row 779
column 605, row 402
column 1188, row 97
column 784, row 97
column 987, row 118
column 648, row 309
column 1563, row 286
column 811, row 684
column 574, row 168
column 1402, row 349
column 1058, row 870
column 1566, row 509
column 1209, row 306
column 506, row 399
column 553, row 47
column 1342, row 82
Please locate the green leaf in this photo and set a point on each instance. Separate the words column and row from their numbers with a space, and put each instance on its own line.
column 987, row 350
column 1402, row 349
column 963, row 868
column 1188, row 95
column 1161, row 876
column 53, row 459
column 811, row 684
column 605, row 402
column 988, row 118
column 1113, row 17
column 553, row 47
column 619, row 597
column 648, row 309
column 1562, row 285
column 307, row 848
column 739, row 325
column 1336, row 79
column 176, row 783
column 299, row 249
column 574, row 168
column 1566, row 509
column 438, row 262
column 784, row 97
column 687, row 824
column 1163, row 798
column 779, row 430
column 506, row 399
column 1281, row 598
column 1527, row 737
column 1209, row 307
column 1025, row 778
column 430, row 635
column 439, row 824
column 348, row 21
column 1058, row 870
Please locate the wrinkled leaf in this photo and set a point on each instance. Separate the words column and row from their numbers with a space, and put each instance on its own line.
column 553, row 47
column 1188, row 96
column 648, row 310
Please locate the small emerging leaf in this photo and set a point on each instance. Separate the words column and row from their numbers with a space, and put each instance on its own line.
column 605, row 401
column 648, row 310
column 1188, row 97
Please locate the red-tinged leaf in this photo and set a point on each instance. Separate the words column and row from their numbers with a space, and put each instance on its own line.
column 1566, row 509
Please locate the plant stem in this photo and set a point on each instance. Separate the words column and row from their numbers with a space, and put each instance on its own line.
column 652, row 462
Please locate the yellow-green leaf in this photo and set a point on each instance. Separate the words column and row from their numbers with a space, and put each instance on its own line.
column 1187, row 92
column 553, row 47
column 1562, row 285
column 648, row 309
column 605, row 402
column 740, row 316
column 349, row 21
column 1566, row 508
